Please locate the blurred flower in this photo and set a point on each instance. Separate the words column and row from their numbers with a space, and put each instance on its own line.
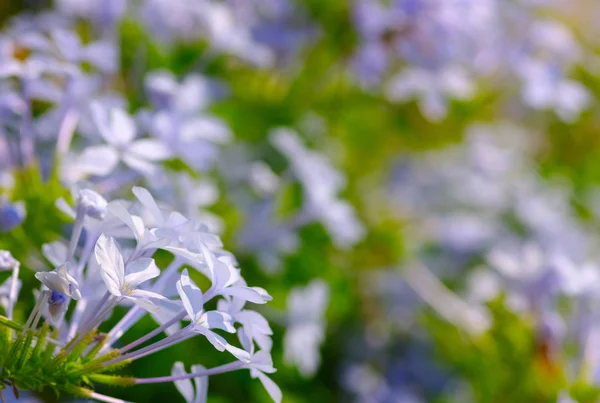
column 119, row 131
column 11, row 215
column 306, row 326
column 195, row 392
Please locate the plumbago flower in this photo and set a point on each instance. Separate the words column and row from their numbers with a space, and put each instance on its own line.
column 321, row 183
column 306, row 326
column 539, row 258
column 439, row 50
column 118, row 130
column 115, row 268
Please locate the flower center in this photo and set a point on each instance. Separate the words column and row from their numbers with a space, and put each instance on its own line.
column 56, row 298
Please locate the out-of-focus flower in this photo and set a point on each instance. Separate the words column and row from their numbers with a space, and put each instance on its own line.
column 195, row 392
column 306, row 326
column 321, row 184
column 118, row 130
column 11, row 215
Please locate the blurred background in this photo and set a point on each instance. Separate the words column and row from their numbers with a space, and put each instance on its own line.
column 415, row 182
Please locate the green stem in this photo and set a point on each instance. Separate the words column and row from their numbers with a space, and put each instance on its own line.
column 9, row 323
column 112, row 380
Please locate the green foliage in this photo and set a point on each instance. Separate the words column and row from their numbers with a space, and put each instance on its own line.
column 509, row 363
column 32, row 361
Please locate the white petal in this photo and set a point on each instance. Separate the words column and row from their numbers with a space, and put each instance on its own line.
column 201, row 384
column 135, row 223
column 111, row 263
column 100, row 119
column 150, row 149
column 217, row 341
column 218, row 320
column 55, row 252
column 103, row 55
column 141, row 270
column 144, row 196
column 56, row 312
column 246, row 293
column 54, row 281
column 145, row 304
column 122, row 126
column 184, row 386
column 255, row 320
column 221, row 344
column 271, row 388
column 205, row 128
column 190, row 294
column 238, row 353
column 263, row 362
column 98, row 160
column 138, row 164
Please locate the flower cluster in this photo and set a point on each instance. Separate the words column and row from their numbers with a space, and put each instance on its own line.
column 481, row 210
column 114, row 267
column 446, row 48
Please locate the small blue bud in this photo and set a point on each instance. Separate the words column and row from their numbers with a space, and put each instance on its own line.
column 56, row 298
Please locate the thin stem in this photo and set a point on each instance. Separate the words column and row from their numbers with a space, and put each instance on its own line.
column 153, row 348
column 88, row 249
column 94, row 319
column 35, row 310
column 40, row 311
column 103, row 398
column 12, row 299
column 136, row 313
column 77, row 315
column 77, row 227
column 99, row 306
column 232, row 366
column 155, row 332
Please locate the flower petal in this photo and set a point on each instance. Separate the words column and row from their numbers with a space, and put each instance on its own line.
column 148, row 202
column 184, row 386
column 271, row 387
column 141, row 270
column 111, row 263
column 190, row 294
column 122, row 126
column 150, row 149
column 218, row 320
column 98, row 160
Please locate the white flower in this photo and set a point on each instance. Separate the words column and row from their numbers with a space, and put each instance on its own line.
column 433, row 88
column 124, row 285
column 226, row 280
column 169, row 225
column 195, row 392
column 5, row 293
column 118, row 130
column 92, row 204
column 321, row 184
column 95, row 220
column 306, row 329
column 144, row 237
column 204, row 321
column 255, row 327
column 7, row 261
column 61, row 281
column 262, row 363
